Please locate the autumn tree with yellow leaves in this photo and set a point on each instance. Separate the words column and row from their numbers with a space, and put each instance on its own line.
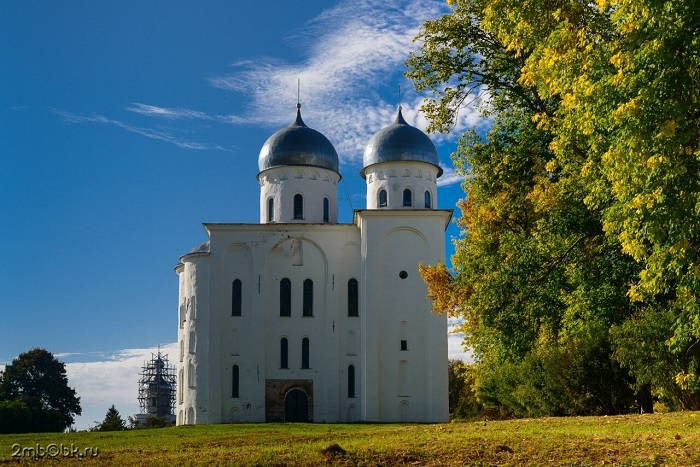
column 577, row 276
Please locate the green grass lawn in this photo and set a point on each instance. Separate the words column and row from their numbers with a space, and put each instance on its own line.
column 634, row 440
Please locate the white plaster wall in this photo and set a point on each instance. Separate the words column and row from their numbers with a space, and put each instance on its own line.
column 314, row 183
column 261, row 255
column 395, row 177
column 395, row 241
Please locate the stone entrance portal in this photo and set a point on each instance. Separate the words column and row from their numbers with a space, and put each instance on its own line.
column 296, row 406
column 289, row 400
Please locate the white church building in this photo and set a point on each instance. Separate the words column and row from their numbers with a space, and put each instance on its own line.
column 302, row 318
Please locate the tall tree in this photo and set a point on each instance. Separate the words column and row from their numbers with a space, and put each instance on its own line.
column 586, row 183
column 34, row 394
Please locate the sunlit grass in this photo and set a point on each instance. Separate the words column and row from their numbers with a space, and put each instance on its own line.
column 639, row 440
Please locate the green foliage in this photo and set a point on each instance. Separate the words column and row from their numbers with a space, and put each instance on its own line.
column 158, row 422
column 641, row 347
column 34, row 395
column 580, row 228
column 112, row 422
column 463, row 404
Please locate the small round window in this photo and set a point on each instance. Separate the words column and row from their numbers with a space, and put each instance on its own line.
column 403, row 274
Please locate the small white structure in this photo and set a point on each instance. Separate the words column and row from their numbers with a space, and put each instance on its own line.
column 300, row 318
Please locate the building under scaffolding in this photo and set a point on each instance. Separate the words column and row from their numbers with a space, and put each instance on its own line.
column 157, row 390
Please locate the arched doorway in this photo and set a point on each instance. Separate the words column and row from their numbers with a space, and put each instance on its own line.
column 296, row 406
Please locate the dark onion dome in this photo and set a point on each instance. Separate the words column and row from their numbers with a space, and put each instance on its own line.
column 298, row 145
column 400, row 142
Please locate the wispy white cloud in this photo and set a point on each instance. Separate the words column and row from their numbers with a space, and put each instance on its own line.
column 355, row 55
column 449, row 177
column 356, row 51
column 171, row 114
column 147, row 132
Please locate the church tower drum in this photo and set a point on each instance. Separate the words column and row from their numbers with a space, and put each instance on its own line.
column 298, row 176
column 401, row 168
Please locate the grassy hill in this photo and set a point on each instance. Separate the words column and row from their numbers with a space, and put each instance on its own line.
column 635, row 440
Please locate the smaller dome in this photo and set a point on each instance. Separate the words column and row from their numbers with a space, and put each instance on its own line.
column 298, row 145
column 400, row 142
column 202, row 248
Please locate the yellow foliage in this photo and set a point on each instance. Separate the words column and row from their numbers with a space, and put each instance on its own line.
column 618, row 77
column 441, row 288
column 667, row 130
column 684, row 379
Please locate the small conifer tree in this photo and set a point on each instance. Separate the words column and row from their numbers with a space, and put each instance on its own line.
column 112, row 422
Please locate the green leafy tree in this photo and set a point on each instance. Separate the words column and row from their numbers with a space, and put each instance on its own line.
column 539, row 277
column 112, row 421
column 34, row 394
column 627, row 76
column 463, row 404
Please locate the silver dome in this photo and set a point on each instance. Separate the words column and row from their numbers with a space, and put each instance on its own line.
column 399, row 142
column 298, row 145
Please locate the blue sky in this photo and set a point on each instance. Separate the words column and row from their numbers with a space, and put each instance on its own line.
column 126, row 125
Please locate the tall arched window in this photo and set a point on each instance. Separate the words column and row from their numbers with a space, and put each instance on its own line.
column 236, row 298
column 235, row 382
column 326, row 210
column 284, row 353
column 270, row 209
column 382, row 199
column 298, row 206
column 407, row 197
column 308, row 306
column 285, row 297
column 428, row 201
column 351, row 381
column 305, row 352
column 353, row 302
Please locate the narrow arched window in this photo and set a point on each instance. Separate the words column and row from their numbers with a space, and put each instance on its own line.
column 236, row 298
column 351, row 381
column 353, row 302
column 270, row 209
column 298, row 206
column 190, row 374
column 305, row 352
column 285, row 297
column 407, row 197
column 308, row 306
column 284, row 353
column 382, row 198
column 326, row 210
column 193, row 342
column 428, row 201
column 235, row 382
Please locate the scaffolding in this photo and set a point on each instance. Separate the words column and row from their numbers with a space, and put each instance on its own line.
column 157, row 389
